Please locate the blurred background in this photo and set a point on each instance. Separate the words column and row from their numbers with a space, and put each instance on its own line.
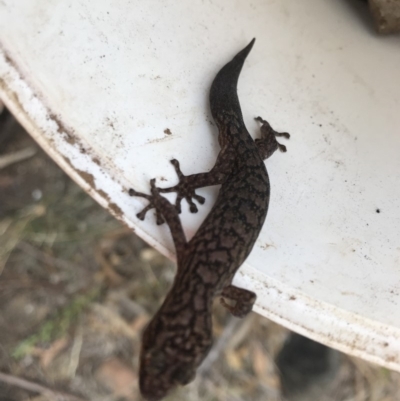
column 77, row 287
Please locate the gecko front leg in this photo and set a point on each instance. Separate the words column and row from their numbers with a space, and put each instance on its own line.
column 184, row 189
column 152, row 203
column 187, row 185
column 165, row 212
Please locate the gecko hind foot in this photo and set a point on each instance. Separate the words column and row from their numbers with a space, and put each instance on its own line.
column 267, row 124
column 244, row 300
column 267, row 144
column 141, row 215
column 183, row 190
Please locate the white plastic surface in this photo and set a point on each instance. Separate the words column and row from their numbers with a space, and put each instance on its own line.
column 98, row 83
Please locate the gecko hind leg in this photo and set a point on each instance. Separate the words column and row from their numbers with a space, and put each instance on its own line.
column 152, row 199
column 244, row 300
column 268, row 144
column 183, row 190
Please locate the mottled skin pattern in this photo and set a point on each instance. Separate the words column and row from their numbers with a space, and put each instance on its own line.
column 179, row 336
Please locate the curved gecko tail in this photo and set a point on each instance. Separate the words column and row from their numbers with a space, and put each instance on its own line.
column 223, row 93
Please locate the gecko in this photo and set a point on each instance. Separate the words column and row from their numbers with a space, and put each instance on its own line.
column 179, row 336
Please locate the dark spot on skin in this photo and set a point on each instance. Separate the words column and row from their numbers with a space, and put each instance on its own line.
column 292, row 298
column 167, row 131
column 378, row 210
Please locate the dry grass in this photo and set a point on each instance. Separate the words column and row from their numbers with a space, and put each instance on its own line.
column 77, row 288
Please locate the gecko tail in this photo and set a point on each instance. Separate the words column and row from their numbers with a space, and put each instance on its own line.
column 245, row 52
column 223, row 93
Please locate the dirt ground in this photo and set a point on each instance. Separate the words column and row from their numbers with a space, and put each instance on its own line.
column 77, row 288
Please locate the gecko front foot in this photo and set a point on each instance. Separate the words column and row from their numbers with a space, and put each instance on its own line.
column 183, row 190
column 268, row 143
column 153, row 202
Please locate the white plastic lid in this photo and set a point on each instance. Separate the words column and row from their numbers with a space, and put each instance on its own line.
column 113, row 91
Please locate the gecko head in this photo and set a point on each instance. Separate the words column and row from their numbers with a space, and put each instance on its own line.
column 168, row 360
